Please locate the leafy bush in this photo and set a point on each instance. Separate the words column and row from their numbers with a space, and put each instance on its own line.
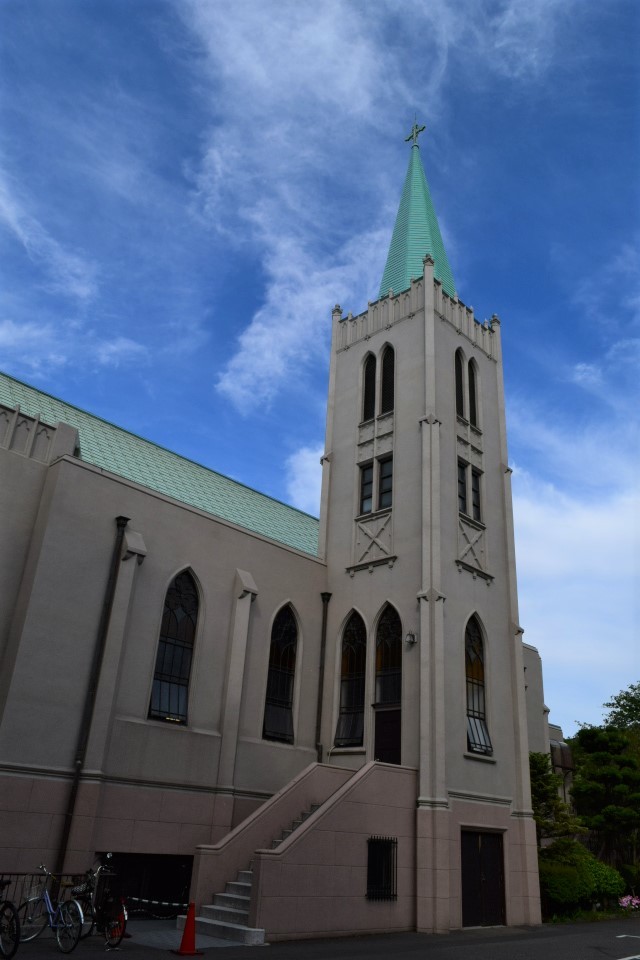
column 570, row 876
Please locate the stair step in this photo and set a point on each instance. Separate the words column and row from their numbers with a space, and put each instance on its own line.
column 244, row 876
column 252, row 936
column 225, row 914
column 238, row 887
column 232, row 901
column 285, row 834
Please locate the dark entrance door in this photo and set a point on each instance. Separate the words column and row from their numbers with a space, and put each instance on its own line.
column 482, row 879
column 387, row 735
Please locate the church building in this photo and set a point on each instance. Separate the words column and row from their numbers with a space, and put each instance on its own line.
column 327, row 721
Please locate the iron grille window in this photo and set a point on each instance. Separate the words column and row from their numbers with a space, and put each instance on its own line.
column 366, row 488
column 385, row 483
column 350, row 728
column 462, row 487
column 475, row 495
column 278, row 708
column 388, row 386
column 389, row 657
column 382, row 868
column 369, row 389
column 170, row 691
column 478, row 739
column 459, row 386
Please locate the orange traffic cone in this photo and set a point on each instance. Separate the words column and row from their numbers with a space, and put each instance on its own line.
column 188, row 942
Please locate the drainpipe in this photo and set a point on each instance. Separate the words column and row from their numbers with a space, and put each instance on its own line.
column 323, row 643
column 92, row 688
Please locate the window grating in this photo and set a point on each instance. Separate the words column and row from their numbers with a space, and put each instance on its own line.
column 175, row 649
column 459, row 386
column 350, row 728
column 388, row 386
column 462, row 487
column 389, row 658
column 475, row 495
column 366, row 488
column 385, row 483
column 478, row 739
column 382, row 868
column 278, row 712
column 473, row 406
column 369, row 389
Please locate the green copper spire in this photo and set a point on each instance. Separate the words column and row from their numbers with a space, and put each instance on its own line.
column 416, row 232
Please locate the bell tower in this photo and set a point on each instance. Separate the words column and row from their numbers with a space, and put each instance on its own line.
column 423, row 664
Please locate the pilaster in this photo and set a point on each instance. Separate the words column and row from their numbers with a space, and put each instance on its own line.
column 245, row 592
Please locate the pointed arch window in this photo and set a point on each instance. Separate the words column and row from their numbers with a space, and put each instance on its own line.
column 389, row 657
column 473, row 395
column 350, row 730
column 369, row 388
column 278, row 708
column 459, row 384
column 478, row 739
column 387, row 390
column 170, row 692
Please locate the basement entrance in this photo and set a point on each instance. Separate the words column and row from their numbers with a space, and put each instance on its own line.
column 482, row 879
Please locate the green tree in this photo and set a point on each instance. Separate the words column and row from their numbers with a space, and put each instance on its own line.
column 606, row 791
column 624, row 709
column 552, row 815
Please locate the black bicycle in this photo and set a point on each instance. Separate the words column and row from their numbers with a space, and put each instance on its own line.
column 9, row 925
column 102, row 909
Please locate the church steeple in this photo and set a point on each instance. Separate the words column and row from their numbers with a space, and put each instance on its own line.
column 416, row 232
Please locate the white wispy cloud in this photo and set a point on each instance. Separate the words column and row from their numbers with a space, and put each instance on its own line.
column 282, row 77
column 304, row 478
column 579, row 583
column 67, row 271
column 118, row 351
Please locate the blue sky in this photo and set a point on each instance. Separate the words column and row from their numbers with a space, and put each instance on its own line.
column 188, row 187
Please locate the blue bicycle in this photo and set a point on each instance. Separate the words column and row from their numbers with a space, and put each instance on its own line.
column 64, row 917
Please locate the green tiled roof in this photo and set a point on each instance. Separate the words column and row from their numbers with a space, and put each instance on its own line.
column 105, row 445
column 416, row 233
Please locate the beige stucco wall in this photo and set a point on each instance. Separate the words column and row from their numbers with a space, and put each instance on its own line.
column 64, row 542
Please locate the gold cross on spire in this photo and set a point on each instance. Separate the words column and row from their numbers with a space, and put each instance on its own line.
column 415, row 133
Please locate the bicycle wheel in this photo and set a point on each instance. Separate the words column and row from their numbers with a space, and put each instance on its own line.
column 68, row 925
column 9, row 929
column 88, row 917
column 114, row 929
column 33, row 918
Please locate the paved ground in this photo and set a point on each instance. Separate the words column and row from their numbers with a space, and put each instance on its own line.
column 150, row 940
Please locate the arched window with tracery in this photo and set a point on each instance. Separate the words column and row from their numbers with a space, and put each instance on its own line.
column 478, row 739
column 459, row 364
column 350, row 730
column 170, row 692
column 389, row 657
column 369, row 388
column 278, row 708
column 387, row 387
column 388, row 692
column 473, row 394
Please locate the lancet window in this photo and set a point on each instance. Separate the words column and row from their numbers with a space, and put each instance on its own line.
column 350, row 729
column 478, row 739
column 170, row 691
column 278, row 709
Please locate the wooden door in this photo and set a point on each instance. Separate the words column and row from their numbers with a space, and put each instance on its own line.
column 482, row 879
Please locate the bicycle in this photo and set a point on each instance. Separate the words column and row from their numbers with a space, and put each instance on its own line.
column 9, row 925
column 65, row 917
column 101, row 909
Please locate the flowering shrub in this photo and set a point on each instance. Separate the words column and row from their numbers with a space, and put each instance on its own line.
column 629, row 902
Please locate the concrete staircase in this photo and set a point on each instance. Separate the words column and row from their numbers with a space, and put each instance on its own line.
column 228, row 916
